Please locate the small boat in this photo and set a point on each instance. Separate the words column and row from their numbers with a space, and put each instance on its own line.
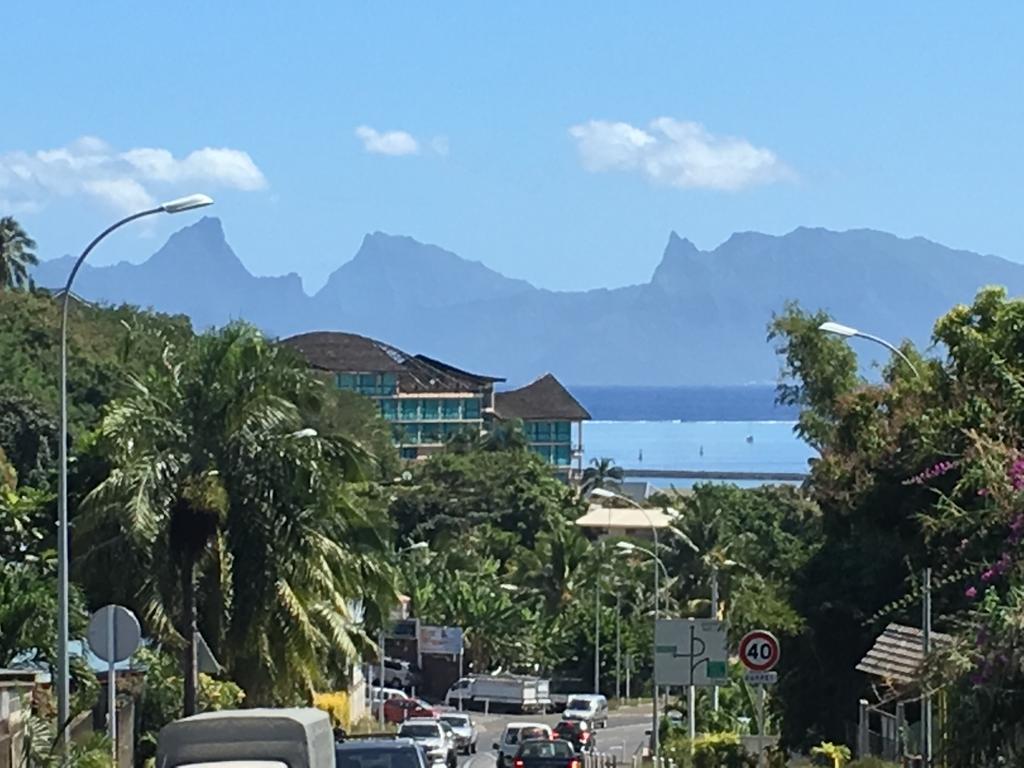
column 750, row 438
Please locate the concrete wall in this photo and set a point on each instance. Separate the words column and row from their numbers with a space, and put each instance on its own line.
column 15, row 707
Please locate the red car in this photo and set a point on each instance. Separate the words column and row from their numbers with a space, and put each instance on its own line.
column 400, row 710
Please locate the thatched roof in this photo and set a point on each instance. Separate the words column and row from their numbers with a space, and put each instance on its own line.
column 545, row 398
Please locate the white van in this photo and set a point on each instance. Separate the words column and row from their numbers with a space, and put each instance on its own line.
column 587, row 706
column 271, row 738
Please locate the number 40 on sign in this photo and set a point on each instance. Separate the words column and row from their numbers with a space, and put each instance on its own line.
column 759, row 651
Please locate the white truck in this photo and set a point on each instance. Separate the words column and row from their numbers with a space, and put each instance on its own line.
column 507, row 693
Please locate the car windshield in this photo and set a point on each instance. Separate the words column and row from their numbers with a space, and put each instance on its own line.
column 456, row 721
column 579, row 704
column 377, row 758
column 420, row 731
column 545, row 748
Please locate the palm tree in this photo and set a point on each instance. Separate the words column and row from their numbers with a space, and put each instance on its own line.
column 16, row 254
column 220, row 493
column 601, row 473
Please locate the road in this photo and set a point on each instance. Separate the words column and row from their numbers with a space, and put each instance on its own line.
column 623, row 736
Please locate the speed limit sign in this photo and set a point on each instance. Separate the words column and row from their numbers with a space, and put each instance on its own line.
column 759, row 650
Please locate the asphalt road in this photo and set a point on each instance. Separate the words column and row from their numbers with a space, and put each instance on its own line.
column 623, row 736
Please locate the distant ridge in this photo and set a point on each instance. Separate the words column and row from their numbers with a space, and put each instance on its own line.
column 700, row 320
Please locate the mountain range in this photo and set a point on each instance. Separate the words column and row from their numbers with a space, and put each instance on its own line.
column 701, row 319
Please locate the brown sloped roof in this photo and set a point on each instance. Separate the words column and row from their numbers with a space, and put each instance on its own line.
column 346, row 352
column 478, row 377
column 340, row 352
column 545, row 398
column 898, row 653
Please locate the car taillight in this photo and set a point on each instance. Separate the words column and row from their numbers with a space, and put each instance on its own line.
column 518, row 763
column 575, row 763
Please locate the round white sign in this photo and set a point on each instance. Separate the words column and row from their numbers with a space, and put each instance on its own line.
column 759, row 650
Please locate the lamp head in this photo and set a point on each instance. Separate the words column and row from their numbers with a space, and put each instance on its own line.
column 626, row 546
column 838, row 329
column 604, row 493
column 186, row 203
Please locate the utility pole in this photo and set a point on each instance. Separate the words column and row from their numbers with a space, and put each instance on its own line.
column 714, row 615
column 618, row 643
column 597, row 624
column 926, row 697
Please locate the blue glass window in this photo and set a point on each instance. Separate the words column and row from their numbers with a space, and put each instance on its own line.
column 412, row 433
column 562, row 455
column 471, row 409
column 409, row 453
column 388, row 384
column 430, row 433
column 389, row 409
column 430, row 410
column 345, row 381
column 409, row 409
column 563, row 431
column 450, row 409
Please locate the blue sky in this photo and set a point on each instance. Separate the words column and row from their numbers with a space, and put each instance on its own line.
column 558, row 142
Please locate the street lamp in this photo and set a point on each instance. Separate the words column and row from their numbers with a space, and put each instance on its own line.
column 847, row 332
column 63, row 661
column 926, row 620
column 606, row 494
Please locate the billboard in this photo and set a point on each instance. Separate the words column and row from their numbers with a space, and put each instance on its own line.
column 440, row 641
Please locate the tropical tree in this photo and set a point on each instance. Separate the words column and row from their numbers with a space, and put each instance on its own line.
column 602, row 473
column 231, row 511
column 16, row 254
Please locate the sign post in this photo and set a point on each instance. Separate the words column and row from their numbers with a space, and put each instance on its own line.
column 759, row 652
column 114, row 635
column 691, row 653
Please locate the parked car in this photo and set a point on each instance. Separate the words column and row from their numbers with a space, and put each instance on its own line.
column 578, row 733
column 464, row 728
column 592, row 707
column 437, row 741
column 546, row 753
column 380, row 753
column 400, row 710
column 377, row 695
column 513, row 734
column 397, row 674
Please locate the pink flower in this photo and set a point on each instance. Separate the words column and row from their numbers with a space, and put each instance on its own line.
column 970, row 593
column 988, row 575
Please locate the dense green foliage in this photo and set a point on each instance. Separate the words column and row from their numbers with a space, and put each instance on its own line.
column 914, row 472
column 17, row 254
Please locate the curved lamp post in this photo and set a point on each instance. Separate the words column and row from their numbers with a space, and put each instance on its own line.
column 606, row 494
column 846, row 331
column 63, row 662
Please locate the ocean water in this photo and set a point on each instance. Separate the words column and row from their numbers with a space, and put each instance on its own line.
column 728, row 429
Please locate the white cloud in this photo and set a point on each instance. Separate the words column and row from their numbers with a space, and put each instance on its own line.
column 387, row 142
column 126, row 180
column 678, row 153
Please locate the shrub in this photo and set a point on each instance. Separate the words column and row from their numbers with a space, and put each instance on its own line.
column 709, row 750
column 336, row 705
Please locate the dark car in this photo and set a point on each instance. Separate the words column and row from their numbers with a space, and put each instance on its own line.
column 379, row 753
column 576, row 732
column 546, row 753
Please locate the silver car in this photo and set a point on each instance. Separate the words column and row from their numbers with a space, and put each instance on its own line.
column 436, row 738
column 464, row 729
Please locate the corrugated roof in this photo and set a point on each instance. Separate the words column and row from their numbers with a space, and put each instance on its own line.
column 545, row 398
column 898, row 653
